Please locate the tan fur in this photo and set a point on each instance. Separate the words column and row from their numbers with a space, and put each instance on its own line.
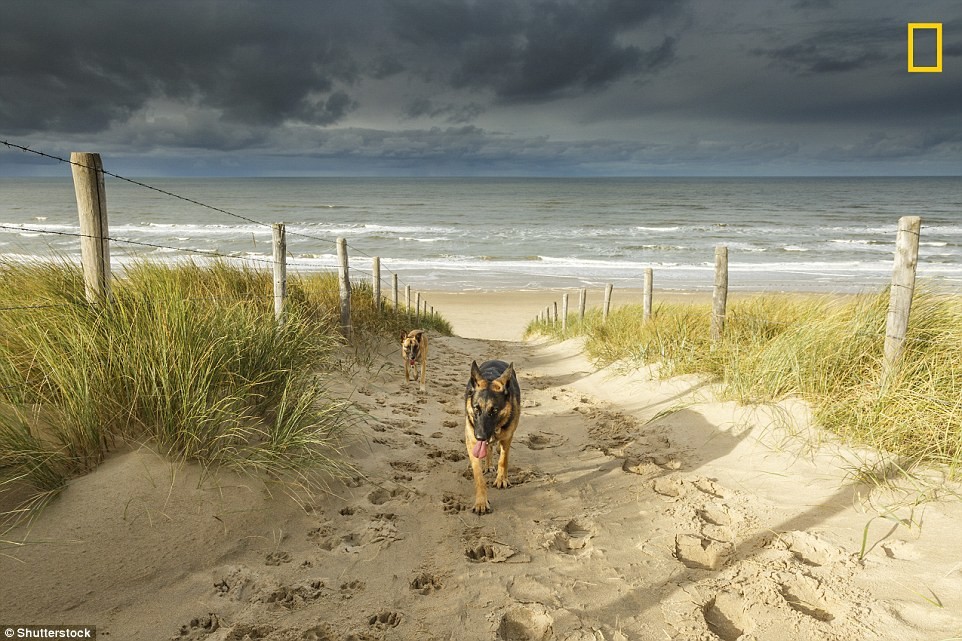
column 418, row 338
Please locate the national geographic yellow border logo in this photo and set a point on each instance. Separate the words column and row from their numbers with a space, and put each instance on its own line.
column 938, row 47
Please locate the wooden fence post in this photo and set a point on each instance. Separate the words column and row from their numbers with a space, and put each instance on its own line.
column 345, row 287
column 719, row 298
column 376, row 281
column 607, row 307
column 555, row 318
column 407, row 301
column 582, row 301
column 564, row 313
column 88, row 181
column 394, row 295
column 417, row 309
column 280, row 271
column 646, row 300
column 902, row 291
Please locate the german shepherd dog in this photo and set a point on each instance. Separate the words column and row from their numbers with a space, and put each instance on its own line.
column 414, row 350
column 492, row 407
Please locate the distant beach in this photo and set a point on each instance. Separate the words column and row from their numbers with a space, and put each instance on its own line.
column 783, row 234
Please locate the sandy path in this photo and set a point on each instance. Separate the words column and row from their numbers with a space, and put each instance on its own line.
column 624, row 521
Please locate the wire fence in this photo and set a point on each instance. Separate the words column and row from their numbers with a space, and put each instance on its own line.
column 357, row 274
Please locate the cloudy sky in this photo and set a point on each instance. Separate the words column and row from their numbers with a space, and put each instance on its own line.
column 483, row 87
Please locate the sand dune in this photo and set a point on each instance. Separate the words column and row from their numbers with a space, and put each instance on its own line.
column 639, row 509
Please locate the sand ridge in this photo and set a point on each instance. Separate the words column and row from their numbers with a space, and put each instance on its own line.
column 639, row 509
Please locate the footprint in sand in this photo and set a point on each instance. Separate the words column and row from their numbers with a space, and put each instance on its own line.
column 543, row 440
column 491, row 552
column 382, row 495
column 322, row 632
column 727, row 617
column 292, row 597
column 276, row 558
column 426, row 583
column 573, row 538
column 525, row 622
column 384, row 620
column 198, row 628
column 350, row 588
column 702, row 553
column 804, row 594
column 452, row 504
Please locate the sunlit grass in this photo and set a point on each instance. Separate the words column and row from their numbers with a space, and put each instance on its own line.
column 825, row 350
column 187, row 358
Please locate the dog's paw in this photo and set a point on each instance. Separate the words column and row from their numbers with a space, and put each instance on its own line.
column 502, row 482
column 481, row 507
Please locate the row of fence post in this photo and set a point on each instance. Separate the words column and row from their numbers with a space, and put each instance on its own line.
column 897, row 319
column 89, row 186
column 88, row 177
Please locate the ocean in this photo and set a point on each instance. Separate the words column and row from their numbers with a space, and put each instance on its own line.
column 783, row 234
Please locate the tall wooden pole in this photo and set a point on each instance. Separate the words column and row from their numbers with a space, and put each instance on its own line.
column 647, row 296
column 582, row 301
column 376, row 281
column 902, row 291
column 607, row 304
column 394, row 295
column 345, row 287
column 564, row 313
column 719, row 297
column 280, row 270
column 88, row 180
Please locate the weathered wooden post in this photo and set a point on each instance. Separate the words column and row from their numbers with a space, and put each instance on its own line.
column 555, row 317
column 394, row 295
column 345, row 288
column 564, row 313
column 719, row 298
column 88, row 181
column 902, row 291
column 280, row 270
column 582, row 301
column 417, row 309
column 607, row 304
column 376, row 281
column 646, row 300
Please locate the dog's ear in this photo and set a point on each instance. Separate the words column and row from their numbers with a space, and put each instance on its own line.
column 403, row 335
column 504, row 381
column 476, row 376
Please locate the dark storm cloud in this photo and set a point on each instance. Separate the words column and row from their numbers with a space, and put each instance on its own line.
column 67, row 67
column 848, row 48
column 534, row 51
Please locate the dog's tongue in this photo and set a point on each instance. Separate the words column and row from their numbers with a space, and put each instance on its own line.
column 480, row 449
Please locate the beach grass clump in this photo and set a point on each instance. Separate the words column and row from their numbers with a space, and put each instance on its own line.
column 826, row 350
column 187, row 358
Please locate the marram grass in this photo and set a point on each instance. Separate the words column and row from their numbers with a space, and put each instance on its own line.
column 187, row 358
column 826, row 350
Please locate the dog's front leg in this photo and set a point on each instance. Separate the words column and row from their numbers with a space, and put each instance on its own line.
column 502, row 481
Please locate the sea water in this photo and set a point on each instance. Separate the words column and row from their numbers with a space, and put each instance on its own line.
column 795, row 234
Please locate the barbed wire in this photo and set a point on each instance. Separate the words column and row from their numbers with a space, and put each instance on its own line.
column 171, row 194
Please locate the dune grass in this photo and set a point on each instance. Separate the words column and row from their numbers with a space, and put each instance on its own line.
column 187, row 358
column 825, row 350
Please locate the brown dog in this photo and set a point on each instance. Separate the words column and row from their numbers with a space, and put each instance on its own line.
column 492, row 407
column 414, row 350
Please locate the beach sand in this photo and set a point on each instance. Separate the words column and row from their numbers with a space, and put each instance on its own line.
column 639, row 509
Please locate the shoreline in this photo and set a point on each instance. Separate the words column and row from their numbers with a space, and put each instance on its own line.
column 504, row 314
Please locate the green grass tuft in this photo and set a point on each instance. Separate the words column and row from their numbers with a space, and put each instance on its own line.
column 188, row 358
column 827, row 351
